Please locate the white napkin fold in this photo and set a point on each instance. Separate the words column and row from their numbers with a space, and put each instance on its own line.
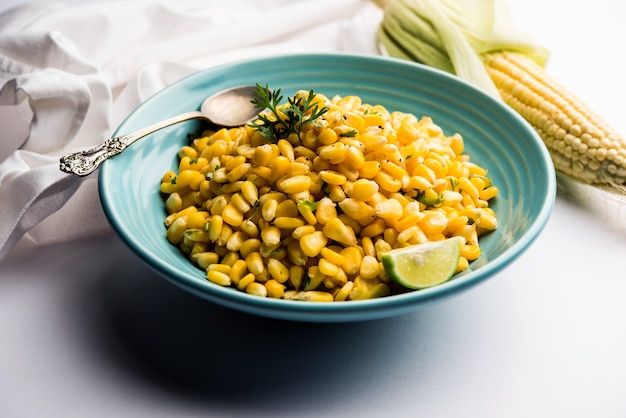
column 70, row 74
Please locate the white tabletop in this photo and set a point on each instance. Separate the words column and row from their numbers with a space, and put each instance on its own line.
column 86, row 330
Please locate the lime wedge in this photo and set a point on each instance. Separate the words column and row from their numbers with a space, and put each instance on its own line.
column 424, row 265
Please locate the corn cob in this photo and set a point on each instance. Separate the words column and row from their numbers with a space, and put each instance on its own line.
column 581, row 144
column 442, row 34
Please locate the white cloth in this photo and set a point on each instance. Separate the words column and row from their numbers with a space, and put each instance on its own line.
column 69, row 74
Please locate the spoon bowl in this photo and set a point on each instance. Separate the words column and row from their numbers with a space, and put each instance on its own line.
column 227, row 108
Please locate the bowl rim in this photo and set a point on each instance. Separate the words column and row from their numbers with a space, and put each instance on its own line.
column 352, row 310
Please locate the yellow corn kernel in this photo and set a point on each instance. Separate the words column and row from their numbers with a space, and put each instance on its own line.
column 239, row 172
column 353, row 257
column 250, row 246
column 387, row 182
column 187, row 151
column 419, row 183
column 327, row 136
column 354, row 121
column 173, row 203
column 262, row 155
column 271, row 236
column 381, row 246
column 363, row 189
column 337, row 231
column 369, row 267
column 306, row 211
column 312, row 244
column 335, row 153
column 246, row 150
column 315, row 278
column 354, row 157
column 190, row 198
column 286, row 149
column 309, row 295
column 204, row 259
column 286, row 222
column 357, row 209
column 294, row 184
column 286, row 208
column 368, row 246
column 256, row 289
column 408, row 220
column 198, row 247
column 488, row 193
column 190, row 178
column 240, row 203
column 296, row 276
column 232, row 162
column 370, row 169
column 325, row 211
column 457, row 222
column 195, row 235
column 277, row 270
column 391, row 236
column 269, row 250
column 333, row 256
column 237, row 271
column 295, row 254
column 372, row 142
column 246, row 281
column 232, row 216
column 176, row 230
column 168, row 188
column 197, row 220
column 225, row 234
column 261, row 172
column 279, row 166
column 405, row 235
column 335, row 192
column 223, row 268
column 235, row 241
column 249, row 192
column 471, row 252
column 274, row 289
column 451, row 198
column 434, row 223
column 328, row 268
column 255, row 264
column 218, row 277
column 301, row 231
column 487, row 221
column 297, row 169
column 332, row 177
column 422, row 170
column 350, row 173
column 268, row 210
column 373, row 229
column 249, row 228
column 389, row 209
column 394, row 170
column 344, row 292
column 467, row 187
column 462, row 265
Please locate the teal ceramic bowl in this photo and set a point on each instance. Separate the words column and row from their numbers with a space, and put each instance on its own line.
column 495, row 137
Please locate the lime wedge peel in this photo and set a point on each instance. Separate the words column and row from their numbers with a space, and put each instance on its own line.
column 424, row 265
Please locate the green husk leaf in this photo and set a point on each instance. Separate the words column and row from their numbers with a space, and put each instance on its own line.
column 454, row 35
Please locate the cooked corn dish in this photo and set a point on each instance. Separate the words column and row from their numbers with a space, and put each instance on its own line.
column 301, row 205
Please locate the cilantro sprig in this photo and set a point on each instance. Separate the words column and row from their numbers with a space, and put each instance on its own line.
column 285, row 120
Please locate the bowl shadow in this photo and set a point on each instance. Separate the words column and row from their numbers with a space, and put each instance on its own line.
column 201, row 350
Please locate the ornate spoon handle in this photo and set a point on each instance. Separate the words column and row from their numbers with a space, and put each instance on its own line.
column 85, row 162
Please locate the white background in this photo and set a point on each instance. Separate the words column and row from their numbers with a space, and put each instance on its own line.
column 87, row 330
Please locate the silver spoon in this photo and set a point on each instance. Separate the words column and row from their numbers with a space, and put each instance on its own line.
column 228, row 108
